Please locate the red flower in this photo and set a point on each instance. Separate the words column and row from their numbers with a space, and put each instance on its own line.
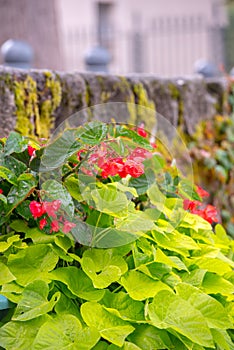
column 67, row 226
column 142, row 132
column 113, row 167
column 52, row 207
column 211, row 214
column 202, row 193
column 31, row 150
column 133, row 168
column 153, row 144
column 37, row 209
column 42, row 223
column 54, row 226
column 1, row 191
column 190, row 205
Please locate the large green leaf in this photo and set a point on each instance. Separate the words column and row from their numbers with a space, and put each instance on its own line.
column 15, row 143
column 148, row 337
column 12, row 291
column 111, row 327
column 65, row 332
column 55, row 190
column 110, row 201
column 222, row 339
column 123, row 306
column 135, row 222
column 16, row 335
column 34, row 301
column 103, row 266
column 77, row 282
column 32, row 263
column 66, row 305
column 169, row 311
column 59, row 150
column 213, row 311
column 214, row 284
column 92, row 133
column 175, row 242
column 15, row 165
column 25, row 186
column 6, row 276
column 140, row 287
column 8, row 175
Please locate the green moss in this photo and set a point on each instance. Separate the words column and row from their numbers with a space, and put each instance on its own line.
column 147, row 114
column 26, row 102
column 34, row 109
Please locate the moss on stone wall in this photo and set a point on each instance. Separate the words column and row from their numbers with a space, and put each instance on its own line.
column 175, row 94
column 34, row 108
column 147, row 116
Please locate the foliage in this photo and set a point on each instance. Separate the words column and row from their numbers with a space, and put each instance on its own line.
column 212, row 151
column 119, row 261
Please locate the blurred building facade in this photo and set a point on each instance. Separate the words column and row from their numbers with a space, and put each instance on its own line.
column 163, row 37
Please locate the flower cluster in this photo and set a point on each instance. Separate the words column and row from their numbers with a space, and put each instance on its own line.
column 207, row 212
column 45, row 210
column 132, row 165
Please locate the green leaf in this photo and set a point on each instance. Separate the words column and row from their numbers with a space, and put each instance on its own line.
column 15, row 143
column 148, row 337
column 186, row 189
column 59, row 150
column 8, row 175
column 77, row 282
column 17, row 194
column 135, row 222
column 140, row 287
column 15, row 165
column 110, row 326
column 72, row 185
column 103, row 266
column 32, row 263
column 123, row 306
column 169, row 311
column 55, row 190
column 213, row 311
column 175, row 242
column 125, row 132
column 20, row 335
column 66, row 305
column 212, row 264
column 10, row 241
column 214, row 284
column 34, row 302
column 110, row 201
column 143, row 182
column 24, row 210
column 222, row 339
column 12, row 291
column 92, row 133
column 65, row 332
column 6, row 276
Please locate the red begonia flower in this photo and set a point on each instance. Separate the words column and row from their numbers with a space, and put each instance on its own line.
column 142, row 132
column 1, row 191
column 54, row 226
column 132, row 168
column 190, row 205
column 42, row 223
column 52, row 207
column 37, row 209
column 201, row 192
column 139, row 154
column 31, row 150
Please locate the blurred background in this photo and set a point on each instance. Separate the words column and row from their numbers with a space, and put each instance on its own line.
column 161, row 37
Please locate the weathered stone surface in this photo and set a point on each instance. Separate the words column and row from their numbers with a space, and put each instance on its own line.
column 36, row 101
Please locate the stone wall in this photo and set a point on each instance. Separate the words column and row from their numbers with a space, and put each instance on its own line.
column 34, row 102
